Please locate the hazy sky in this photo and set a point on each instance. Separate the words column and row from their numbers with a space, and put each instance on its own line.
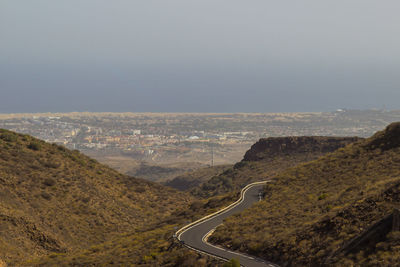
column 199, row 56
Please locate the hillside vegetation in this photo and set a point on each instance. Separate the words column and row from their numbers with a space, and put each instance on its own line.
column 159, row 172
column 192, row 179
column 61, row 208
column 267, row 158
column 53, row 200
column 313, row 210
column 153, row 247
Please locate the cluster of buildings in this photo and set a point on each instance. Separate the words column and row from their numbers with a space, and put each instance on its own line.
column 148, row 134
column 81, row 136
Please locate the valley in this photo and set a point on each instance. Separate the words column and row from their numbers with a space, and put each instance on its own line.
column 199, row 133
column 62, row 208
column 161, row 146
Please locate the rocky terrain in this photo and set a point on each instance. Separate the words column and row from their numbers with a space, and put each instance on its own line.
column 312, row 211
column 269, row 148
column 267, row 158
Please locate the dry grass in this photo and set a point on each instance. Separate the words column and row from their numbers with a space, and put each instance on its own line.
column 56, row 200
column 286, row 227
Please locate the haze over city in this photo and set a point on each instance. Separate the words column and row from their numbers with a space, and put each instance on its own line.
column 208, row 133
column 198, row 56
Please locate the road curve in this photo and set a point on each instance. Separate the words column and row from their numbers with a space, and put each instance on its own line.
column 195, row 235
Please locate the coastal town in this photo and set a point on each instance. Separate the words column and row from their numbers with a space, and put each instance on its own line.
column 204, row 138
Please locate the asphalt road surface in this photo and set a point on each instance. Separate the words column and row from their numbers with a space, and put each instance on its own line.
column 195, row 236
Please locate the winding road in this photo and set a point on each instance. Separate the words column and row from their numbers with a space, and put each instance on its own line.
column 195, row 234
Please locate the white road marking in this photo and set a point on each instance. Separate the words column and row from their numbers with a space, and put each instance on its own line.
column 212, row 216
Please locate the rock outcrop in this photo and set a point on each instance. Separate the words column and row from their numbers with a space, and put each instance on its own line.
column 267, row 148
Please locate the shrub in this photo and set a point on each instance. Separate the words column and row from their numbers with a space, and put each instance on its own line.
column 34, row 146
column 232, row 263
column 322, row 196
column 140, row 189
column 61, row 148
column 49, row 182
column 52, row 164
column 196, row 205
column 8, row 137
column 240, row 164
column 46, row 195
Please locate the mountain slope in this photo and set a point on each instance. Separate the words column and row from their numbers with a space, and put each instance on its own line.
column 154, row 247
column 267, row 158
column 311, row 210
column 56, row 200
column 190, row 180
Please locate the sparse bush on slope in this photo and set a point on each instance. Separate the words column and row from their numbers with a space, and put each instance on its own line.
column 267, row 158
column 56, row 200
column 312, row 209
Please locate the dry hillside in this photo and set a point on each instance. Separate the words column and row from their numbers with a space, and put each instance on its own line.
column 56, row 200
column 267, row 158
column 313, row 210
column 192, row 179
